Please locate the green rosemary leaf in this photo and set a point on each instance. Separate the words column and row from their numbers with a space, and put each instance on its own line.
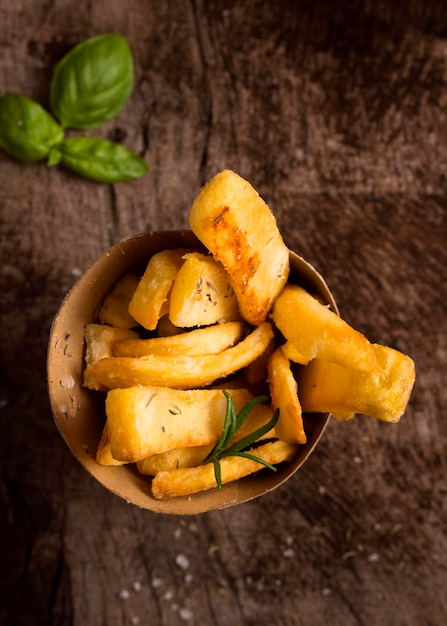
column 252, row 437
column 217, row 473
column 232, row 423
column 225, row 428
column 252, row 457
column 244, row 412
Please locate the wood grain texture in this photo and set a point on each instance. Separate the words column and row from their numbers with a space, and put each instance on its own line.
column 337, row 115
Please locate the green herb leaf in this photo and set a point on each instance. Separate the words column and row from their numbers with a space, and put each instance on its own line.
column 27, row 131
column 228, row 421
column 248, row 440
column 232, row 423
column 93, row 82
column 101, row 160
column 252, row 457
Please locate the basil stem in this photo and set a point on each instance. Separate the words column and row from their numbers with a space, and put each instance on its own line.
column 101, row 160
column 92, row 82
column 27, row 131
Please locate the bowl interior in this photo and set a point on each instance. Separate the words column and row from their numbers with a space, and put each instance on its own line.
column 79, row 412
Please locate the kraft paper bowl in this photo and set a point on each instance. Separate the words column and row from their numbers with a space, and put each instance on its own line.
column 79, row 412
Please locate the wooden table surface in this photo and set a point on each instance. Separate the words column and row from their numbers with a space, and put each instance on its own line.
column 337, row 114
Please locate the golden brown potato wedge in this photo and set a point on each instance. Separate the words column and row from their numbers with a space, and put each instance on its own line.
column 182, row 482
column 180, row 371
column 114, row 310
column 317, row 332
column 283, row 390
column 207, row 340
column 382, row 393
column 236, row 225
column 173, row 459
column 201, row 294
column 190, row 457
column 99, row 339
column 293, row 355
column 104, row 453
column 151, row 294
column 256, row 371
column 142, row 421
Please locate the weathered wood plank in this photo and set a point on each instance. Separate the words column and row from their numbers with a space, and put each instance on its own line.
column 337, row 116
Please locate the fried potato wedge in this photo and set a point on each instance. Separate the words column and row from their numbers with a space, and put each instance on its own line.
column 99, row 339
column 173, row 459
column 256, row 371
column 201, row 294
column 207, row 340
column 293, row 355
column 317, row 332
column 142, row 421
column 190, row 457
column 186, row 481
column 180, row 372
column 382, row 393
column 236, row 225
column 114, row 310
column 146, row 305
column 284, row 394
column 104, row 453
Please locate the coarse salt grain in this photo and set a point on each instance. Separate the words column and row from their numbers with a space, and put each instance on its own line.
column 182, row 561
column 185, row 613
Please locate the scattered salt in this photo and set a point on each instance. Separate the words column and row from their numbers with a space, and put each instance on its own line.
column 136, row 586
column 373, row 557
column 185, row 614
column 182, row 561
column 123, row 594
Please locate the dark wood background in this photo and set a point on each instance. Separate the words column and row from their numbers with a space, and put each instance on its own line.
column 337, row 113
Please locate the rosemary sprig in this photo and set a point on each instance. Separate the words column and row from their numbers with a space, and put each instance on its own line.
column 233, row 421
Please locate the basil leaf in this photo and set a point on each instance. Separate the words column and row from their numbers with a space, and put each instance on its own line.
column 93, row 82
column 101, row 160
column 27, row 131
